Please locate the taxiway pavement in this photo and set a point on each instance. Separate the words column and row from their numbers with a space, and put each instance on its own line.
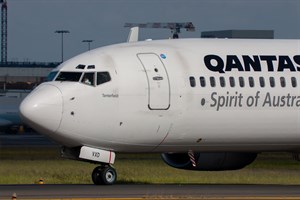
column 151, row 191
column 25, row 140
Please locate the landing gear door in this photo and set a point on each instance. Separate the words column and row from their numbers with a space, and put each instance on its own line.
column 158, row 81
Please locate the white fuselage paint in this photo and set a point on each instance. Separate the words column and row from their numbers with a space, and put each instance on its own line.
column 150, row 106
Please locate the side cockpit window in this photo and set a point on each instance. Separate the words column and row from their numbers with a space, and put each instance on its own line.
column 69, row 76
column 88, row 78
column 103, row 77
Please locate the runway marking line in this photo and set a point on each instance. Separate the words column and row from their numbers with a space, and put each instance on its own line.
column 91, row 198
column 181, row 198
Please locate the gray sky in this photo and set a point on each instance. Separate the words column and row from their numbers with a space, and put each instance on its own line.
column 32, row 23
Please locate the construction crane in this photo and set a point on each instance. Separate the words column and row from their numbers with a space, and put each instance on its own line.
column 3, row 31
column 174, row 27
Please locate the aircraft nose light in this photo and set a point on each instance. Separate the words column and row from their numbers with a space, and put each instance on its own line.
column 42, row 109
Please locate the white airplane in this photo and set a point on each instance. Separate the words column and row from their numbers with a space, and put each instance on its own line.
column 205, row 104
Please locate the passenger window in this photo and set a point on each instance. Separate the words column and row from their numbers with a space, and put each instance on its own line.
column 262, row 81
column 242, row 82
column 88, row 78
column 202, row 81
column 282, row 82
column 231, row 81
column 103, row 77
column 222, row 81
column 294, row 82
column 212, row 81
column 192, row 81
column 272, row 82
column 251, row 81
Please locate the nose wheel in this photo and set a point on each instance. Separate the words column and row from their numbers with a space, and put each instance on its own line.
column 104, row 175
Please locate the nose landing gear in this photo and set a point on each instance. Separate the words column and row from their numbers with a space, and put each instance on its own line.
column 104, row 175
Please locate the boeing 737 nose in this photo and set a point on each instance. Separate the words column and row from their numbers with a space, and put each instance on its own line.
column 42, row 109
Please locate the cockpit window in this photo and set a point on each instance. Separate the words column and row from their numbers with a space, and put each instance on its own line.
column 91, row 67
column 102, row 77
column 69, row 76
column 88, row 78
column 80, row 67
column 51, row 75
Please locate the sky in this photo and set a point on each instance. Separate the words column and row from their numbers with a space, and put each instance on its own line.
column 32, row 23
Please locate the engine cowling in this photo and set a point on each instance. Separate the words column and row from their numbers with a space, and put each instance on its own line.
column 209, row 161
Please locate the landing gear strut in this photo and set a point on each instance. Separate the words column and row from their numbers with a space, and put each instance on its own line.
column 104, row 175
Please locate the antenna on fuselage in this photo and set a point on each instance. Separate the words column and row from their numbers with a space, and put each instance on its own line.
column 133, row 35
column 174, row 27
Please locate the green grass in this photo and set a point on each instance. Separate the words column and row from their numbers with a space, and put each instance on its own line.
column 28, row 165
column 267, row 169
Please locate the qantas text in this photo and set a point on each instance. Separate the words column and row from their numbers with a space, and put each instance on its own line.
column 257, row 63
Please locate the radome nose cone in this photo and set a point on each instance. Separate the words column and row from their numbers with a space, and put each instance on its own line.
column 42, row 109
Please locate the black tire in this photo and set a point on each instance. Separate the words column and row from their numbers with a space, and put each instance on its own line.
column 96, row 176
column 104, row 176
column 109, row 176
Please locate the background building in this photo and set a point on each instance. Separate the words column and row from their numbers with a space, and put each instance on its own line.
column 23, row 75
column 247, row 34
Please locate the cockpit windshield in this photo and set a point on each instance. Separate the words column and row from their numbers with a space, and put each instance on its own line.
column 88, row 78
column 69, row 76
